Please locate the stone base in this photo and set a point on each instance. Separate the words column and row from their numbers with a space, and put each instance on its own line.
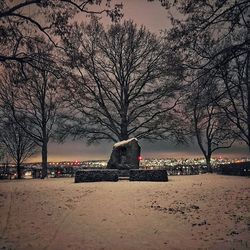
column 241, row 169
column 93, row 175
column 148, row 175
column 123, row 173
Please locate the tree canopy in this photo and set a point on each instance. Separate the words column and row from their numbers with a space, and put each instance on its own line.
column 125, row 82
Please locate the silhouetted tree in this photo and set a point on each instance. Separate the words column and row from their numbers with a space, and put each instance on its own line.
column 209, row 123
column 36, row 98
column 234, row 98
column 22, row 21
column 125, row 84
column 16, row 142
column 213, row 38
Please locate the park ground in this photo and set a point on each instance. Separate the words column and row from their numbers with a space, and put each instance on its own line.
column 206, row 211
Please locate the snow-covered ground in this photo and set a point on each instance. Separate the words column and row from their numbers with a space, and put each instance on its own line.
column 188, row 212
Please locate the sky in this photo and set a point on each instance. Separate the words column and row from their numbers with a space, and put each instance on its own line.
column 155, row 18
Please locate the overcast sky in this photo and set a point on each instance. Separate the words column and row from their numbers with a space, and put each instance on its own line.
column 155, row 18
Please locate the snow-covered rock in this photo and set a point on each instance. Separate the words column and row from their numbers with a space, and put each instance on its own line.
column 123, row 143
column 125, row 155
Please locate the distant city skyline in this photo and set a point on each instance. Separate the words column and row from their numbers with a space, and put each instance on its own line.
column 77, row 150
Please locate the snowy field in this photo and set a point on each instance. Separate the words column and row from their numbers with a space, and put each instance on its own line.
column 188, row 212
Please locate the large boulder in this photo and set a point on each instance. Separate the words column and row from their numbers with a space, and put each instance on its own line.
column 125, row 155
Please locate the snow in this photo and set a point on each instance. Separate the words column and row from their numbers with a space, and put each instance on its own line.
column 123, row 143
column 206, row 211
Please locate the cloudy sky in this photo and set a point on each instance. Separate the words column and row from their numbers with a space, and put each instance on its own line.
column 155, row 18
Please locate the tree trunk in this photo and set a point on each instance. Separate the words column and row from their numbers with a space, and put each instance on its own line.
column 124, row 131
column 208, row 162
column 44, row 159
column 248, row 98
column 18, row 170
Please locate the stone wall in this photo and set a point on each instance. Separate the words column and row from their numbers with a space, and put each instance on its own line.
column 93, row 175
column 148, row 175
column 241, row 168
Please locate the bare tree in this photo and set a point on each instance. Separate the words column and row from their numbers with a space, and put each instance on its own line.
column 234, row 79
column 22, row 21
column 209, row 124
column 125, row 83
column 4, row 159
column 226, row 23
column 37, row 99
column 213, row 39
column 16, row 142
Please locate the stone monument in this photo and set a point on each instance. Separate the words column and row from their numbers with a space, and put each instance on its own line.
column 125, row 155
column 123, row 164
